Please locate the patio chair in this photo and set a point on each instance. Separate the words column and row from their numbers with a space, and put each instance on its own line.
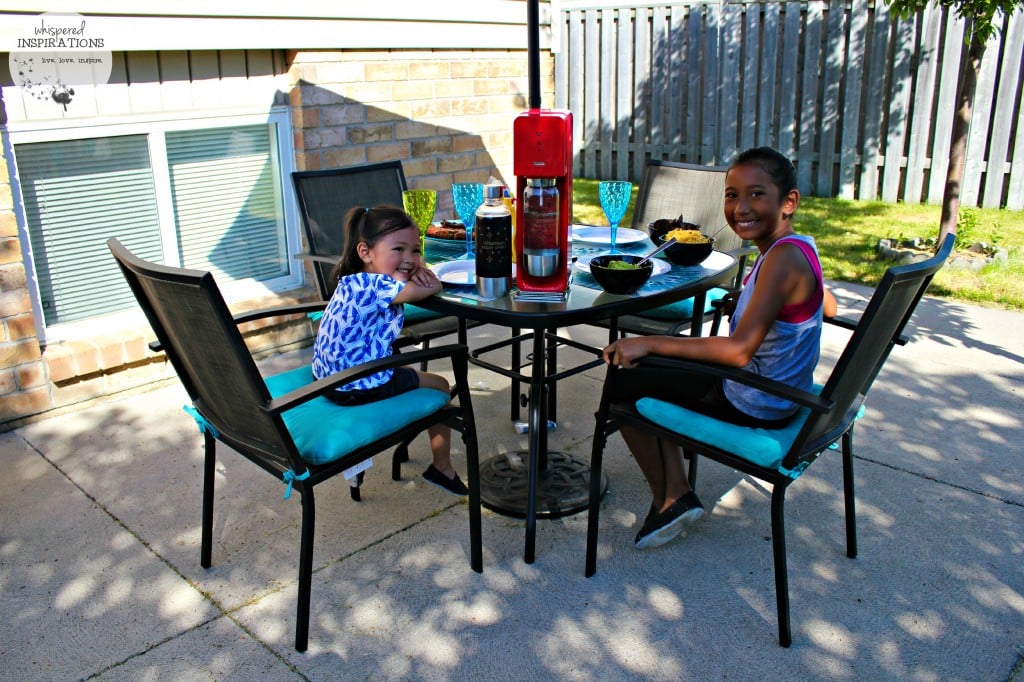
column 324, row 197
column 282, row 423
column 669, row 189
column 778, row 457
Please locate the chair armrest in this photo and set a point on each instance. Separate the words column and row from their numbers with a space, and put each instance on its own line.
column 329, row 260
column 850, row 324
column 785, row 391
column 260, row 313
column 317, row 388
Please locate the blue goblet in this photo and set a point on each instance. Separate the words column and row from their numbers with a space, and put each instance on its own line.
column 614, row 196
column 467, row 197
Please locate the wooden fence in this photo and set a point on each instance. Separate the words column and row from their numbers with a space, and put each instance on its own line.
column 863, row 102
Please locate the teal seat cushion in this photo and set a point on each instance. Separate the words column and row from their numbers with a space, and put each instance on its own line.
column 414, row 313
column 324, row 431
column 683, row 310
column 763, row 447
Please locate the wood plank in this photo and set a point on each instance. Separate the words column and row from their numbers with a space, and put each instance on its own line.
column 788, row 80
column 623, row 93
column 1002, row 119
column 593, row 95
column 809, row 121
column 766, row 112
column 1015, row 187
column 709, row 103
column 661, row 61
column 898, row 119
column 577, row 89
column 728, row 110
column 752, row 81
column 607, row 107
column 945, row 106
column 848, row 159
column 873, row 106
column 641, row 93
column 834, row 57
column 981, row 123
column 694, row 93
column 923, row 101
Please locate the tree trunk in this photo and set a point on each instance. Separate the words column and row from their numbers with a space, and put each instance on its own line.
column 961, row 126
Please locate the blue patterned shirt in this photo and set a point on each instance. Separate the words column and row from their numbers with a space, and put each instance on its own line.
column 359, row 325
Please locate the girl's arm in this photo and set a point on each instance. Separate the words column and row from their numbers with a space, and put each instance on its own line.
column 784, row 277
column 422, row 284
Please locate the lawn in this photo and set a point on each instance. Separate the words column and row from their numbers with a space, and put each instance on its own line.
column 847, row 233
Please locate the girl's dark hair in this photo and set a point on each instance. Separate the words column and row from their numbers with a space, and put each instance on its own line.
column 366, row 225
column 775, row 164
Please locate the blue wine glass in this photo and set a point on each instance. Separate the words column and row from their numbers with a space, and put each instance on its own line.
column 467, row 197
column 614, row 196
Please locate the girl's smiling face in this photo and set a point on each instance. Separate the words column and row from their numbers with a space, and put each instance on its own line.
column 753, row 207
column 396, row 253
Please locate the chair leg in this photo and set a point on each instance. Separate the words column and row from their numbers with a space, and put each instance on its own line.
column 209, row 470
column 781, row 571
column 425, row 345
column 353, row 488
column 400, row 456
column 848, row 492
column 594, row 506
column 691, row 469
column 517, row 358
column 305, row 570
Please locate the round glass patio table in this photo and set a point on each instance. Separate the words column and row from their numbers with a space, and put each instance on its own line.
column 554, row 484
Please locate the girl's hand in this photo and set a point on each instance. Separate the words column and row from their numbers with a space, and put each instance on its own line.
column 625, row 352
column 425, row 277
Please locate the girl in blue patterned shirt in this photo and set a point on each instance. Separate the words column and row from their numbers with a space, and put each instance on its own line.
column 380, row 269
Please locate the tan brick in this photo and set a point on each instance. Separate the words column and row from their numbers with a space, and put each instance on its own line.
column 430, row 109
column 31, row 375
column 299, row 140
column 12, row 277
column 335, row 136
column 305, row 117
column 8, row 381
column 511, row 68
column 442, row 144
column 87, row 357
column 10, row 250
column 309, row 161
column 397, row 111
column 25, row 403
column 60, row 363
column 460, row 162
column 342, row 114
column 386, row 71
column 341, row 72
column 429, row 70
column 368, row 134
column 462, row 87
column 19, row 352
column 408, row 130
column 340, row 158
column 469, row 105
column 473, row 175
column 6, row 198
column 8, row 224
column 369, row 92
column 111, row 352
column 387, row 152
column 423, row 166
column 20, row 327
column 465, row 143
column 469, row 68
column 488, row 86
column 413, row 90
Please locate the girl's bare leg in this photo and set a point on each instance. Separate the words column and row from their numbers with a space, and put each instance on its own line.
column 440, row 434
column 661, row 464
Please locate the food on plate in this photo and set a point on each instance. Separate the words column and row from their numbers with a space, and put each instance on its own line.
column 685, row 236
column 621, row 265
column 447, row 229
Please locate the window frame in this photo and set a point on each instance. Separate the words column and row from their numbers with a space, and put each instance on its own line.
column 155, row 129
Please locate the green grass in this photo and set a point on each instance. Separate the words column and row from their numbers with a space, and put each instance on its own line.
column 847, row 233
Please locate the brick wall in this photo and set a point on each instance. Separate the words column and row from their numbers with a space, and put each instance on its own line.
column 447, row 115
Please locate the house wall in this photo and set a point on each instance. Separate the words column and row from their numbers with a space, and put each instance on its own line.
column 446, row 114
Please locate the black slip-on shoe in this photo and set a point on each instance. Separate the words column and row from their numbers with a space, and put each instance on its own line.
column 452, row 485
column 668, row 524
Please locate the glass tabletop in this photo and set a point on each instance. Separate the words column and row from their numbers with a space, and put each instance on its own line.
column 585, row 301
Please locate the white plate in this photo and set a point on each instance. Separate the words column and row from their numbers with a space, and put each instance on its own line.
column 660, row 266
column 716, row 261
column 459, row 272
column 603, row 235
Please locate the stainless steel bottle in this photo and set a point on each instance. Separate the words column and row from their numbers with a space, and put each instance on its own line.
column 493, row 244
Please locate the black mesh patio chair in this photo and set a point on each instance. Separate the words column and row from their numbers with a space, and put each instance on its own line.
column 778, row 457
column 324, row 197
column 667, row 190
column 283, row 424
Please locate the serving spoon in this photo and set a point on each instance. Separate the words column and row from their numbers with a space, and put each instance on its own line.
column 664, row 245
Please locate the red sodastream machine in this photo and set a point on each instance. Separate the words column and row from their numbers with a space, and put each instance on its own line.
column 542, row 163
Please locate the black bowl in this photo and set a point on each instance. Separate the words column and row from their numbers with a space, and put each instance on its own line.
column 620, row 281
column 688, row 253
